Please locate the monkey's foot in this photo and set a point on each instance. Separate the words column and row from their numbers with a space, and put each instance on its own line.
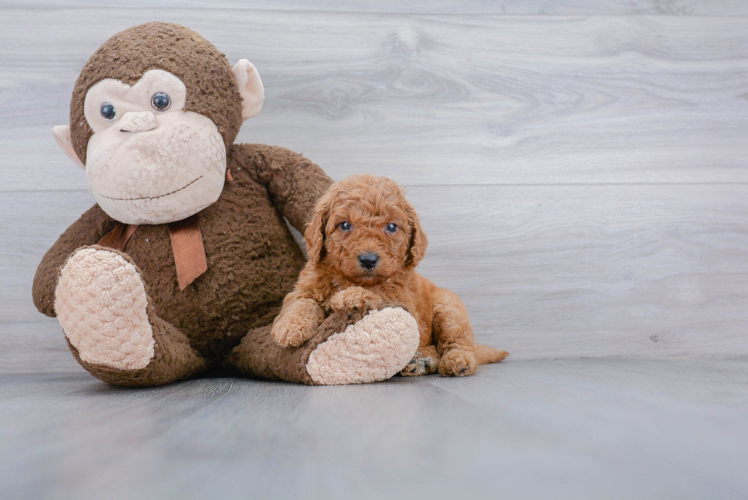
column 374, row 348
column 101, row 303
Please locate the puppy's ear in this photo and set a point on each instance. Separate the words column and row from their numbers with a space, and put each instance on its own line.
column 418, row 240
column 314, row 235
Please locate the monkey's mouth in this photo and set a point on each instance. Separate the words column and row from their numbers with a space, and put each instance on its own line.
column 153, row 197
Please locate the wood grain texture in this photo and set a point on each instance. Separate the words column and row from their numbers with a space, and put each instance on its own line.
column 582, row 179
column 545, row 271
column 608, row 270
column 570, row 429
column 34, row 348
column 431, row 99
column 727, row 8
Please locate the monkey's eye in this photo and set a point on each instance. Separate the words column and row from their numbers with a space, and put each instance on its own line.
column 345, row 226
column 391, row 228
column 108, row 111
column 160, row 101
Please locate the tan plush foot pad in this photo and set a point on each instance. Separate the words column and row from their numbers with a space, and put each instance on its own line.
column 101, row 302
column 373, row 349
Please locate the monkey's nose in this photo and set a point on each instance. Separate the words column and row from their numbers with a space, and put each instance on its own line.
column 137, row 121
column 368, row 260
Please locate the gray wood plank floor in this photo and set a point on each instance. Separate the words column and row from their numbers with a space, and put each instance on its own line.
column 581, row 177
column 521, row 100
column 576, row 429
column 580, row 169
column 557, row 271
column 727, row 8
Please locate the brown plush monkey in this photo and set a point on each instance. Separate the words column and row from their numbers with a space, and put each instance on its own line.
column 184, row 261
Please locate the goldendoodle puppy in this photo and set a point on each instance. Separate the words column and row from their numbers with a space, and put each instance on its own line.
column 364, row 244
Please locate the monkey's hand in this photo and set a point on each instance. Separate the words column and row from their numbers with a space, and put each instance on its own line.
column 355, row 298
column 297, row 322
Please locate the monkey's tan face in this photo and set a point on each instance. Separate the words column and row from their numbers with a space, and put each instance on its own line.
column 149, row 161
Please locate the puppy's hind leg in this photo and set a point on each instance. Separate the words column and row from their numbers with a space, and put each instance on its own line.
column 453, row 335
column 425, row 362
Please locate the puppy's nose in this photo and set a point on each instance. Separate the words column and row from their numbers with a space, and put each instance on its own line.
column 368, row 260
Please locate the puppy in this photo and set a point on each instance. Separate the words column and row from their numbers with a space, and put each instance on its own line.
column 364, row 243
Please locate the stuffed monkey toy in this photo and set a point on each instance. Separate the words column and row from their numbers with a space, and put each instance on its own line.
column 184, row 261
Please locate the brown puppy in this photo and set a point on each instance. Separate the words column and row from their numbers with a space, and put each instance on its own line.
column 364, row 244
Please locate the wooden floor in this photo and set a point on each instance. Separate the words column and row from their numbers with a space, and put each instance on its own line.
column 566, row 429
column 581, row 170
column 580, row 166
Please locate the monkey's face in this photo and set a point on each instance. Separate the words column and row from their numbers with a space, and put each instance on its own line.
column 149, row 161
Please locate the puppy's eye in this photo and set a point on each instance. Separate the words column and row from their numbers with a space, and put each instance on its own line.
column 108, row 111
column 345, row 226
column 391, row 228
column 160, row 101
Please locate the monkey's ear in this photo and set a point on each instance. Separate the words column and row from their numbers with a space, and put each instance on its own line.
column 250, row 87
column 62, row 135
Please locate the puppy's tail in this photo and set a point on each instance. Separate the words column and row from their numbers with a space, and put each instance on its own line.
column 487, row 354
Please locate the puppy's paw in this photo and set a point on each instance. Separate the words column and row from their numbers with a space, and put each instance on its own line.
column 355, row 298
column 292, row 332
column 425, row 362
column 458, row 363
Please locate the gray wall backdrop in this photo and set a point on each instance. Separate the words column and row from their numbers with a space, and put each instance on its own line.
column 581, row 166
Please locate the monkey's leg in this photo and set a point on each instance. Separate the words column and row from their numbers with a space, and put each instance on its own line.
column 349, row 348
column 102, row 305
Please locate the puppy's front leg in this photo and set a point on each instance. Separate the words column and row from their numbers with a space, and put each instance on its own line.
column 297, row 321
column 355, row 298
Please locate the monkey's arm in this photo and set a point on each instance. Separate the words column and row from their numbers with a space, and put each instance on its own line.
column 87, row 230
column 294, row 182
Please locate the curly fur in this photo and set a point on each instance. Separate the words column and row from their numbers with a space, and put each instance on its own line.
column 335, row 279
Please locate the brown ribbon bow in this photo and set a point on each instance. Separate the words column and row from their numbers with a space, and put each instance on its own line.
column 186, row 245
